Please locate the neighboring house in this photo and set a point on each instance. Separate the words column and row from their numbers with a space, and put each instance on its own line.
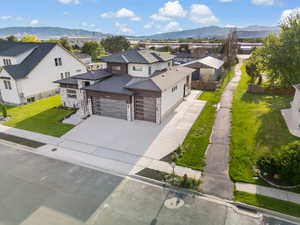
column 207, row 69
column 80, row 41
column 137, row 85
column 27, row 70
column 85, row 58
column 292, row 115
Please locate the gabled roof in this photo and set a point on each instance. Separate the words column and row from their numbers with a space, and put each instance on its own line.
column 165, row 80
column 19, row 71
column 93, row 75
column 207, row 61
column 138, row 56
column 142, row 84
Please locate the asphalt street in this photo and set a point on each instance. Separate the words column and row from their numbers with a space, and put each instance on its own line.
column 35, row 190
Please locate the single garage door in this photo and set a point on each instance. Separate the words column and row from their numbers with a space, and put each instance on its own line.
column 110, row 107
column 145, row 108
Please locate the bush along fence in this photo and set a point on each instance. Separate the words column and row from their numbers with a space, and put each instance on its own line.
column 207, row 86
column 257, row 89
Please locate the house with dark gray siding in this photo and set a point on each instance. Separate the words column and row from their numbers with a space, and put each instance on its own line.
column 136, row 85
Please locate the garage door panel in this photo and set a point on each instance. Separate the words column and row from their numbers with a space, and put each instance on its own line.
column 110, row 107
column 145, row 108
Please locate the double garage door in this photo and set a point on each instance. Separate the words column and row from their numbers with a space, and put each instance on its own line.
column 110, row 107
column 145, row 108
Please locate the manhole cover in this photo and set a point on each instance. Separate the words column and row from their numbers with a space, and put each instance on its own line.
column 174, row 203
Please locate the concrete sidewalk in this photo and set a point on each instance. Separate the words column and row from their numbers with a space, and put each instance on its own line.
column 216, row 178
column 269, row 192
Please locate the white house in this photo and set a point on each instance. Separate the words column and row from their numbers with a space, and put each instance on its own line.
column 136, row 85
column 207, row 68
column 27, row 70
column 292, row 115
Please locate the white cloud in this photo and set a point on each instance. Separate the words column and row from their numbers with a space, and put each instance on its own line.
column 5, row 17
column 225, row 0
column 158, row 17
column 68, row 1
column 11, row 18
column 124, row 28
column 152, row 25
column 87, row 24
column 121, row 13
column 34, row 22
column 263, row 2
column 229, row 26
column 202, row 14
column 172, row 26
column 170, row 11
column 289, row 12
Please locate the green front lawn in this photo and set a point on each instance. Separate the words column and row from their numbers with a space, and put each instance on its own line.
column 197, row 140
column 258, row 128
column 284, row 207
column 41, row 116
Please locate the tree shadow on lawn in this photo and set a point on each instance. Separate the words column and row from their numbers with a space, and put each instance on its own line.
column 47, row 122
column 272, row 132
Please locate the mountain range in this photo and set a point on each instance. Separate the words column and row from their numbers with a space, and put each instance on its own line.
column 204, row 32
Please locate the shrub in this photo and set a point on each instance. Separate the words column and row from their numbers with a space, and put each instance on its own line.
column 4, row 111
column 285, row 164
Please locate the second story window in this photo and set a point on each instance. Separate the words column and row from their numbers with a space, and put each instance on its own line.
column 58, row 62
column 7, row 84
column 137, row 68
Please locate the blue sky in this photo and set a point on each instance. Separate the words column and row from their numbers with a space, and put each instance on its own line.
column 139, row 17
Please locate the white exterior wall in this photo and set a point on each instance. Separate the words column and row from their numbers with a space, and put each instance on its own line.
column 170, row 99
column 69, row 102
column 145, row 71
column 9, row 96
column 40, row 80
column 12, row 59
column 296, row 107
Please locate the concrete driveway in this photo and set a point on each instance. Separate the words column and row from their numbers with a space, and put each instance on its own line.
column 133, row 141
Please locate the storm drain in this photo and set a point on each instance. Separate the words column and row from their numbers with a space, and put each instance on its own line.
column 174, row 203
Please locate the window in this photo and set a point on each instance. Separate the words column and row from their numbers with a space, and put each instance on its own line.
column 62, row 75
column 78, row 71
column 71, row 93
column 58, row 62
column 67, row 74
column 86, row 83
column 6, row 62
column 150, row 70
column 116, row 68
column 137, row 68
column 7, row 84
column 29, row 100
column 174, row 89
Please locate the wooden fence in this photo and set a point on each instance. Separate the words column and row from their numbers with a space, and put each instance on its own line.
column 207, row 86
column 256, row 89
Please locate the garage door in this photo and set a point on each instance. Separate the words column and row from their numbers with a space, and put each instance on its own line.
column 145, row 108
column 110, row 108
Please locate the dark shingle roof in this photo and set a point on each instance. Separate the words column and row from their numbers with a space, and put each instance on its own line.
column 68, row 80
column 114, row 84
column 142, row 84
column 93, row 75
column 19, row 71
column 138, row 56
